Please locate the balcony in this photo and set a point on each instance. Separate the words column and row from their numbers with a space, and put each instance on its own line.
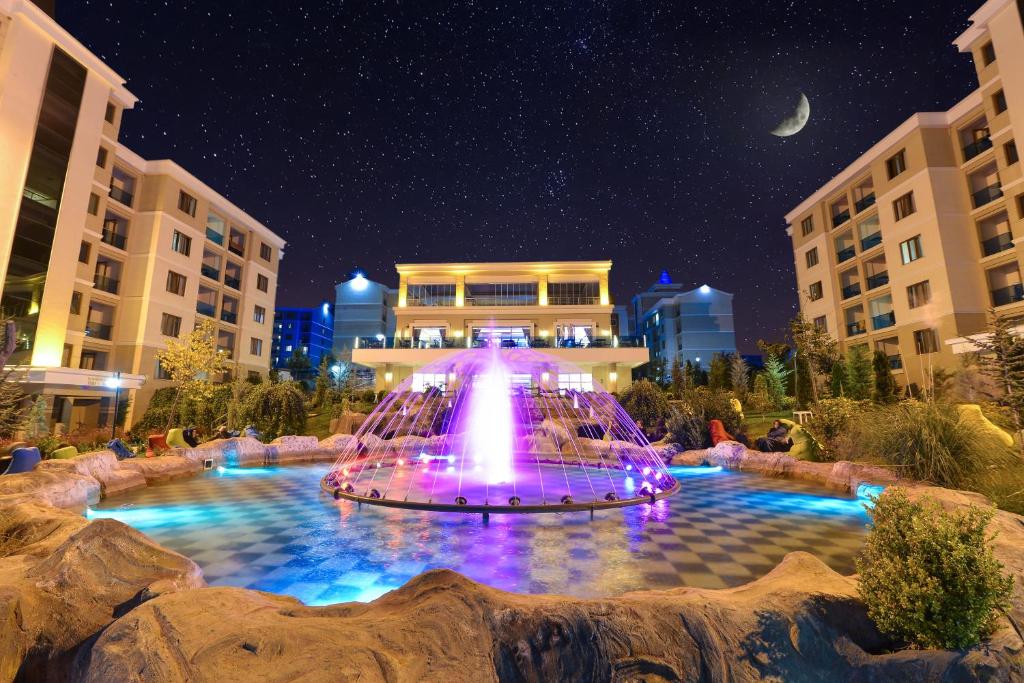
column 895, row 362
column 229, row 317
column 975, row 148
column 855, row 328
column 1007, row 295
column 851, row 290
column 994, row 245
column 878, row 280
column 120, row 195
column 574, row 300
column 206, row 309
column 228, row 352
column 114, row 239
column 233, row 282
column 845, row 254
column 882, row 321
column 99, row 330
column 864, row 202
column 210, row 272
column 215, row 237
column 106, row 284
column 236, row 248
column 840, row 218
column 506, row 343
column 986, row 195
column 872, row 240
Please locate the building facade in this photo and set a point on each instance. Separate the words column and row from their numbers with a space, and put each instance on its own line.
column 309, row 329
column 911, row 245
column 559, row 308
column 106, row 255
column 363, row 309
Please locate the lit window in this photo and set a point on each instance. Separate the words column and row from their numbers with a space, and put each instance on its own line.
column 256, row 346
column 814, row 292
column 262, row 283
column 583, row 381
column 259, row 314
column 821, row 323
column 181, row 243
column 421, row 381
column 926, row 341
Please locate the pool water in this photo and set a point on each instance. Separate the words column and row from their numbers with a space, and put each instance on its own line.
column 273, row 529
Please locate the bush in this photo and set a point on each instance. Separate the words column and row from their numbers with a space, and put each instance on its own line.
column 929, row 577
column 274, row 409
column 830, row 426
column 688, row 430
column 207, row 415
column 713, row 404
column 646, row 404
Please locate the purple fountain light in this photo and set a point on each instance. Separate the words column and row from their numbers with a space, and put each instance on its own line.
column 497, row 430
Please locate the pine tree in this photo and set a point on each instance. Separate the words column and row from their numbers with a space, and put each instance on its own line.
column 689, row 376
column 775, row 377
column 859, row 373
column 885, row 384
column 839, row 384
column 678, row 379
column 1003, row 360
column 739, row 375
column 718, row 375
column 37, row 425
column 323, row 383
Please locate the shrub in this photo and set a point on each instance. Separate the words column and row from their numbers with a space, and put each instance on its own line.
column 275, row 409
column 929, row 577
column 688, row 430
column 713, row 404
column 646, row 404
column 830, row 425
column 206, row 414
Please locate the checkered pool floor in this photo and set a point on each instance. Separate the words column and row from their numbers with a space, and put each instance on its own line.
column 272, row 529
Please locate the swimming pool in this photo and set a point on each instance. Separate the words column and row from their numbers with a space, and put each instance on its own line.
column 273, row 529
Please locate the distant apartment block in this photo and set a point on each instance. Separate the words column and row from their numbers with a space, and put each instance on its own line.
column 309, row 330
column 908, row 248
column 363, row 309
column 105, row 255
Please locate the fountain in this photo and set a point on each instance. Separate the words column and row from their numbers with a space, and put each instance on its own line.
column 499, row 430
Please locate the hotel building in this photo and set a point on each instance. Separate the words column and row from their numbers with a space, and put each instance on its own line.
column 308, row 329
column 363, row 309
column 562, row 309
column 909, row 247
column 105, row 255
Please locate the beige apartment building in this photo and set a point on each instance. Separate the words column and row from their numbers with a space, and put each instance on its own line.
column 562, row 309
column 106, row 255
column 908, row 248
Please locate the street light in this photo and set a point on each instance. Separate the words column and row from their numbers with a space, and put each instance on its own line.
column 115, row 384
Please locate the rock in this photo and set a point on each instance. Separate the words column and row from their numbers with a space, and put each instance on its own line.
column 339, row 443
column 102, row 466
column 287, row 444
column 348, row 422
column 409, row 443
column 63, row 579
column 240, row 451
column 59, row 488
column 691, row 458
column 164, row 467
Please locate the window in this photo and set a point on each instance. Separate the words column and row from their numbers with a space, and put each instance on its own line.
column 911, row 249
column 919, row 294
column 170, row 325
column 430, row 295
column 256, row 346
column 83, row 252
column 76, row 303
column 94, row 204
column 101, row 157
column 175, row 283
column 186, row 203
column 904, row 206
column 575, row 382
column 807, row 226
column 265, row 252
column 1010, row 150
column 215, row 228
column 181, row 243
column 814, row 291
column 999, row 102
column 812, row 257
column 421, row 381
column 236, row 242
column 988, row 54
column 262, row 283
column 160, row 372
column 253, row 376
column 65, row 356
column 926, row 341
column 896, row 164
column 259, row 314
column 821, row 323
column 108, row 116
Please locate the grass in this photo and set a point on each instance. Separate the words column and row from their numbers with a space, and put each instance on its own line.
column 758, row 424
column 319, row 424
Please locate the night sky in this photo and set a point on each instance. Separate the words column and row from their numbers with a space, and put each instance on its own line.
column 370, row 133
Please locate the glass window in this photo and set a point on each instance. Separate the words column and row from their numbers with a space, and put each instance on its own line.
column 215, row 228
column 101, row 157
column 583, row 381
column 896, row 164
column 83, row 252
column 256, row 346
column 76, row 303
column 999, row 102
column 501, row 294
column 812, row 257
column 122, row 186
column 919, row 294
column 814, row 292
column 262, row 283
column 904, row 206
column 175, row 283
column 170, row 325
column 265, row 252
column 807, row 226
column 94, row 204
column 206, row 301
column 160, row 372
column 226, row 342
column 574, row 293
column 421, row 381
column 1010, row 150
column 430, row 295
column 988, row 53
column 821, row 323
column 236, row 242
column 926, row 341
column 187, row 203
column 181, row 243
column 910, row 250
column 233, row 275
column 259, row 314
column 108, row 116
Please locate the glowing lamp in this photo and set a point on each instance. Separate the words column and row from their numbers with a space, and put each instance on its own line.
column 646, row 471
column 359, row 282
column 613, row 376
column 379, row 336
column 112, row 382
column 629, row 468
column 704, row 289
column 402, row 462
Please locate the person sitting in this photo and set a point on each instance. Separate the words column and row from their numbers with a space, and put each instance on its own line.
column 120, row 449
column 190, row 436
column 776, row 441
column 251, row 432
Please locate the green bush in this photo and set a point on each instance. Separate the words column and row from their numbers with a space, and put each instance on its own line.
column 646, row 404
column 830, row 426
column 713, row 404
column 274, row 409
column 207, row 415
column 929, row 577
column 688, row 430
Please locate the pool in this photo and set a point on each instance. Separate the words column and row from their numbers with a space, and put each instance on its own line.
column 272, row 529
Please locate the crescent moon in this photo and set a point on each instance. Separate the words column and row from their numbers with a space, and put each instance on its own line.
column 794, row 123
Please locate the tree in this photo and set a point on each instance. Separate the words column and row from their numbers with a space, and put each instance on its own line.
column 817, row 346
column 803, row 389
column 775, row 376
column 739, row 374
column 646, row 403
column 191, row 362
column 275, row 409
column 37, row 425
column 678, row 379
column 298, row 365
column 12, row 410
column 778, row 349
column 321, row 392
column 689, row 375
column 885, row 384
column 839, row 385
column 859, row 373
column 1003, row 360
column 718, row 374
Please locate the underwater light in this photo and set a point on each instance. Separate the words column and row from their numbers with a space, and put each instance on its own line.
column 400, row 462
column 221, row 469
column 646, row 471
column 629, row 468
column 451, row 458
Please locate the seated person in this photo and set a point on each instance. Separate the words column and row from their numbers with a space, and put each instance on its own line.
column 251, row 432
column 776, row 441
column 190, row 436
column 120, row 449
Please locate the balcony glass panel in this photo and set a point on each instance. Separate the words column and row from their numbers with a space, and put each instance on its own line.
column 994, row 245
column 99, row 330
column 210, row 272
column 987, row 194
column 975, row 148
column 871, row 241
column 122, row 196
column 855, row 328
column 206, row 309
column 883, row 320
column 107, row 283
column 840, row 217
column 896, row 362
column 878, row 279
column 845, row 254
column 864, row 202
column 851, row 290
column 1007, row 295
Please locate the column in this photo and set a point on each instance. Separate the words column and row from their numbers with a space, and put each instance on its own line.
column 403, row 290
column 604, row 288
column 542, row 290
column 460, row 290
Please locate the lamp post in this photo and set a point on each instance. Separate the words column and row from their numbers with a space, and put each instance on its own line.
column 115, row 384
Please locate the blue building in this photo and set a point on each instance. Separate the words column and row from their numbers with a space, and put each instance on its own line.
column 309, row 329
column 364, row 310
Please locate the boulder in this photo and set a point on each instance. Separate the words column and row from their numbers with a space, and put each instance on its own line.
column 63, row 579
column 348, row 422
column 54, row 487
column 291, row 444
column 239, row 451
column 164, row 467
column 104, row 467
column 691, row 458
column 339, row 443
column 410, row 443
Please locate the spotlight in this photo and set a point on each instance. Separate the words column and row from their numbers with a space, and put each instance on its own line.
column 610, row 496
column 451, row 458
column 647, row 471
column 567, row 499
column 374, row 493
column 347, row 487
column 401, row 462
column 337, row 494
column 629, row 468
column 657, row 475
column 460, row 500
column 513, row 501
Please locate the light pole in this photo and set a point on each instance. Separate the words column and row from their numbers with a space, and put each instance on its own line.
column 115, row 384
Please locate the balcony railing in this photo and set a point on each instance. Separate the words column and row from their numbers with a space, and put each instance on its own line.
column 106, row 284
column 845, row 254
column 206, row 309
column 975, row 148
column 114, row 239
column 229, row 317
column 236, row 248
column 233, row 282
column 99, row 330
column 872, row 240
column 1007, row 295
column 994, row 245
column 210, row 272
column 214, row 236
column 509, row 342
column 574, row 300
column 840, row 218
column 120, row 195
column 851, row 290
column 896, row 362
column 512, row 300
column 431, row 301
column 878, row 280
column 864, row 202
column 883, row 320
column 228, row 352
column 987, row 194
column 855, row 328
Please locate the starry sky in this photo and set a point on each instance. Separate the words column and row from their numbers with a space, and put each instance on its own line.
column 370, row 133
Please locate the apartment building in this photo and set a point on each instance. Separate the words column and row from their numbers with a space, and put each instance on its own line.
column 363, row 309
column 309, row 330
column 909, row 247
column 105, row 255
column 562, row 309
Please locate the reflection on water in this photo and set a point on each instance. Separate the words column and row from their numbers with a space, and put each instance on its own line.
column 272, row 529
